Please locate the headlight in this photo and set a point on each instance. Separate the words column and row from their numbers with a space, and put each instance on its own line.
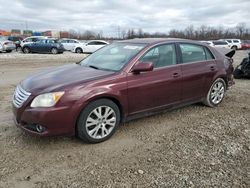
column 47, row 99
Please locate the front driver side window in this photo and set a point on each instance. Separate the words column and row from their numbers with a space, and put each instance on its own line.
column 161, row 56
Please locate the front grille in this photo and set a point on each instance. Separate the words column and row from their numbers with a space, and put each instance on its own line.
column 20, row 96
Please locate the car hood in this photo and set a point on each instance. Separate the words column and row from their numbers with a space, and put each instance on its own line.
column 54, row 79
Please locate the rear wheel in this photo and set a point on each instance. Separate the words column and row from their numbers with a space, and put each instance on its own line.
column 8, row 51
column 234, row 47
column 98, row 121
column 78, row 50
column 216, row 93
column 26, row 50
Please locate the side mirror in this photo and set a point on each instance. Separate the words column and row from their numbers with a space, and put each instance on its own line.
column 142, row 67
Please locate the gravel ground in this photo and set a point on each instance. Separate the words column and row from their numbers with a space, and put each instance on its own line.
column 194, row 146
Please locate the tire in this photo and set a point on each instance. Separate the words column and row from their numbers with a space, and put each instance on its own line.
column 26, row 50
column 54, row 51
column 8, row 51
column 216, row 93
column 234, row 47
column 238, row 73
column 94, row 129
column 79, row 50
column 19, row 49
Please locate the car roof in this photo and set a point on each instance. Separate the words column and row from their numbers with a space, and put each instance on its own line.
column 97, row 41
column 151, row 41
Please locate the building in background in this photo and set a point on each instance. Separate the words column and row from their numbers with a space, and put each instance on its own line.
column 5, row 33
column 27, row 33
column 15, row 32
column 64, row 34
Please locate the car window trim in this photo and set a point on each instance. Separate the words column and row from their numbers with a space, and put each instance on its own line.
column 158, row 45
column 178, row 62
column 206, row 60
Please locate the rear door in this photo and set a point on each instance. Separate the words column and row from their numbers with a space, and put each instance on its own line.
column 197, row 70
column 158, row 88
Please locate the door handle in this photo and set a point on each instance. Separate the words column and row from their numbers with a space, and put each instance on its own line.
column 212, row 68
column 176, row 75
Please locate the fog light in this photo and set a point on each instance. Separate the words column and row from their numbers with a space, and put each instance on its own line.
column 39, row 128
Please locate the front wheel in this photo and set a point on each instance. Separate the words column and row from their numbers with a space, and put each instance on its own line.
column 79, row 50
column 216, row 93
column 54, row 51
column 234, row 48
column 98, row 121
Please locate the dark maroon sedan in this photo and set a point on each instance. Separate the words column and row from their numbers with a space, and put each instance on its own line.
column 120, row 82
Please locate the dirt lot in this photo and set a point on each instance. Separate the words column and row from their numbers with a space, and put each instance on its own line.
column 194, row 146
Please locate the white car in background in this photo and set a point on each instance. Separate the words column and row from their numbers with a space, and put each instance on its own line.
column 234, row 43
column 69, row 44
column 30, row 40
column 90, row 46
column 218, row 44
column 1, row 47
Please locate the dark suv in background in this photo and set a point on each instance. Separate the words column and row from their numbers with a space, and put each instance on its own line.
column 44, row 46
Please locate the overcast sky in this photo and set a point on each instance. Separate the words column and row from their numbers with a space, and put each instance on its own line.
column 108, row 15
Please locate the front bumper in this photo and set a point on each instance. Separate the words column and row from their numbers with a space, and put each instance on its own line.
column 54, row 120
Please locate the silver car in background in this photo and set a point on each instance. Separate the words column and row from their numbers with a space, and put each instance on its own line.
column 69, row 44
column 6, row 45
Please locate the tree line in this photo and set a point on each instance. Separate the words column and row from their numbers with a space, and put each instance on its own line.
column 240, row 31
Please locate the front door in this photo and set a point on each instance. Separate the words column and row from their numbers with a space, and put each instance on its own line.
column 158, row 88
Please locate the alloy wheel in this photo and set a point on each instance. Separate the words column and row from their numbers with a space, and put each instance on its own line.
column 100, row 122
column 54, row 51
column 217, row 92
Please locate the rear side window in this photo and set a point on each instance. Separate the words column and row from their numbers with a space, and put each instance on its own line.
column 100, row 43
column 219, row 43
column 28, row 40
column 236, row 41
column 161, row 56
column 192, row 53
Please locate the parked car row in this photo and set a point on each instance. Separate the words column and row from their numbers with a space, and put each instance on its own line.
column 235, row 44
column 50, row 45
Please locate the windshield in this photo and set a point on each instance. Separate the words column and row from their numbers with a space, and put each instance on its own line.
column 112, row 57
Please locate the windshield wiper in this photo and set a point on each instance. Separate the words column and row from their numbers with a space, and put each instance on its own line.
column 94, row 67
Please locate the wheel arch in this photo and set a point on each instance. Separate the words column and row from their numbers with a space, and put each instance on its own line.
column 28, row 47
column 109, row 97
column 78, row 47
